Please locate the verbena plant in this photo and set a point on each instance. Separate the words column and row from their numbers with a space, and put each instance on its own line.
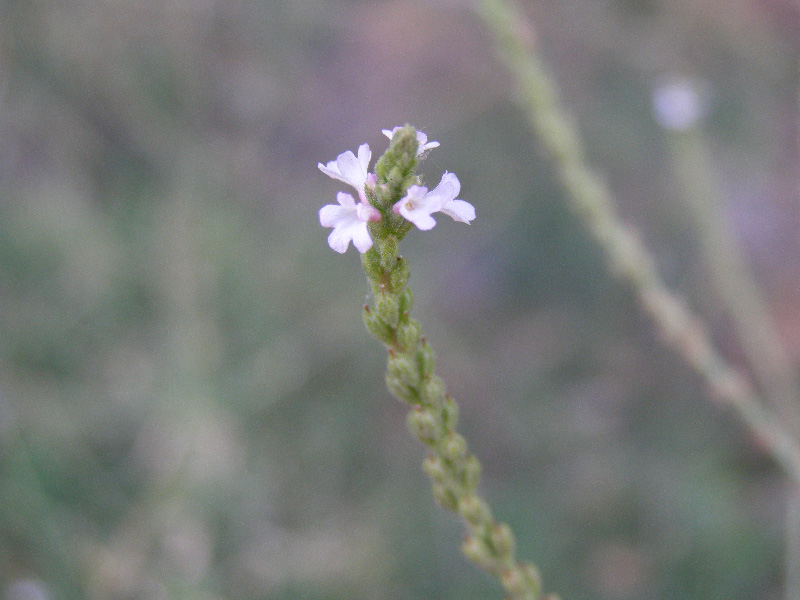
column 392, row 201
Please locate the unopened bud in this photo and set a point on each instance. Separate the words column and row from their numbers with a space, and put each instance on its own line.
column 533, row 579
column 426, row 359
column 399, row 163
column 470, row 472
column 424, row 425
column 408, row 334
column 371, row 261
column 401, row 390
column 502, row 540
column 388, row 250
column 399, row 275
column 433, row 391
column 377, row 326
column 449, row 412
column 454, row 448
column 406, row 300
column 513, row 582
column 399, row 366
column 433, row 468
column 477, row 551
column 475, row 511
column 386, row 306
column 444, row 496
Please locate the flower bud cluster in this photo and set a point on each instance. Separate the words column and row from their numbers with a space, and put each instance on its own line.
column 394, row 192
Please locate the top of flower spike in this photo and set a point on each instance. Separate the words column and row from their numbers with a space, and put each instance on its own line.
column 350, row 220
column 422, row 140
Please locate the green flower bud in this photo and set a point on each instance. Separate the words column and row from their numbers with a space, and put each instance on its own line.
column 397, row 167
column 388, row 251
column 408, row 334
column 401, row 390
column 454, row 448
column 434, row 469
column 424, row 425
column 445, row 496
column 475, row 511
column 387, row 307
column 502, row 540
column 533, row 579
column 426, row 359
column 449, row 412
column 378, row 327
column 514, row 583
column 371, row 261
column 433, row 391
column 398, row 277
column 470, row 472
column 400, row 367
column 406, row 300
column 478, row 552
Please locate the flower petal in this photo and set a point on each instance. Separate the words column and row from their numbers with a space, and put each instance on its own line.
column 339, row 240
column 349, row 222
column 417, row 207
column 449, row 186
column 421, row 219
column 349, row 169
column 329, row 215
column 331, row 170
column 459, row 210
column 364, row 156
column 361, row 238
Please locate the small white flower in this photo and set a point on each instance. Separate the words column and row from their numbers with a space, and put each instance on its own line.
column 418, row 203
column 349, row 169
column 680, row 104
column 423, row 145
column 349, row 221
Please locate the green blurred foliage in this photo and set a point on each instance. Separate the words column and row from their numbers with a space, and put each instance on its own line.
column 189, row 405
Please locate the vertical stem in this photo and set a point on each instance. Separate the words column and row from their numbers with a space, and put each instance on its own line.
column 410, row 376
column 741, row 295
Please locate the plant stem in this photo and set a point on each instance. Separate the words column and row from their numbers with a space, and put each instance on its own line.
column 454, row 471
column 591, row 200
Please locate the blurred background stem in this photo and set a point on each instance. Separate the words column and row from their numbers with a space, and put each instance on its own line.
column 792, row 563
column 730, row 277
column 590, row 198
column 744, row 301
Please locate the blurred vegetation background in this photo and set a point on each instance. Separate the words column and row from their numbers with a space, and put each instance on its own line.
column 189, row 404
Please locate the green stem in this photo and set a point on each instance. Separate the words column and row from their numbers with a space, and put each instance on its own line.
column 757, row 332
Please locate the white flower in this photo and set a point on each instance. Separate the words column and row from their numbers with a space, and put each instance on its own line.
column 423, row 145
column 349, row 222
column 418, row 203
column 680, row 104
column 349, row 169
